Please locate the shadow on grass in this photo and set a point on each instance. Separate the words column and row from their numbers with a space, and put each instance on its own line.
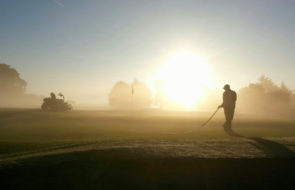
column 270, row 148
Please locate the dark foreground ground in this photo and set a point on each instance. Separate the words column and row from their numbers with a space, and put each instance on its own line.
column 112, row 150
column 124, row 169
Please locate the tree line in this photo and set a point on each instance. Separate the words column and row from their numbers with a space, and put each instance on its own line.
column 262, row 97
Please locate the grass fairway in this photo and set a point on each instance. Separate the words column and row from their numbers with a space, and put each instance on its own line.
column 142, row 150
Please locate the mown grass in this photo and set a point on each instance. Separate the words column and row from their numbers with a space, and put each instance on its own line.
column 163, row 159
column 23, row 130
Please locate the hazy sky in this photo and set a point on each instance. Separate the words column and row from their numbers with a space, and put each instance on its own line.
column 82, row 47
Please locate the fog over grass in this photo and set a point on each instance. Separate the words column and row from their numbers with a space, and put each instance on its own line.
column 262, row 98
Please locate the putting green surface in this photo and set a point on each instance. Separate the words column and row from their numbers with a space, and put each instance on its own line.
column 32, row 133
column 143, row 150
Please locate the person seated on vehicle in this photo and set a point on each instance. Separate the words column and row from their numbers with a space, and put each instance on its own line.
column 52, row 95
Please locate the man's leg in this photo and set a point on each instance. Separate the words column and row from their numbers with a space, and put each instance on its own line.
column 231, row 112
column 227, row 123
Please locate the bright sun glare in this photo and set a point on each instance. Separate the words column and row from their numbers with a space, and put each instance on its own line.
column 184, row 77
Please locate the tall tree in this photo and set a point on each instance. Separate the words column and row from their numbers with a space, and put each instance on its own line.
column 10, row 82
column 266, row 97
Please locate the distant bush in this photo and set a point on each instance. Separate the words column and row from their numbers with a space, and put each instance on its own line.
column 265, row 97
column 12, row 89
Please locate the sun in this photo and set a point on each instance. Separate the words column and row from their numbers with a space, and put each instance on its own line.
column 184, row 77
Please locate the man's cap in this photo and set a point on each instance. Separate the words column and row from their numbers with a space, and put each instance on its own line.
column 226, row 87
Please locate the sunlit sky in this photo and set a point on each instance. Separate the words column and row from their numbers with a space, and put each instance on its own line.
column 82, row 48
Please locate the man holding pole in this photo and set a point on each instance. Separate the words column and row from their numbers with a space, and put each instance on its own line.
column 228, row 105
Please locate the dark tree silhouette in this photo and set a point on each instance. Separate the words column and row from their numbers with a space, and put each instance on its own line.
column 10, row 81
column 12, row 89
column 133, row 95
column 265, row 97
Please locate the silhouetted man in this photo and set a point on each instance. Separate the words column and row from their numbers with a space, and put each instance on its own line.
column 228, row 105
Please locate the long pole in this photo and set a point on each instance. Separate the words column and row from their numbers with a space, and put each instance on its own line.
column 210, row 118
column 187, row 132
